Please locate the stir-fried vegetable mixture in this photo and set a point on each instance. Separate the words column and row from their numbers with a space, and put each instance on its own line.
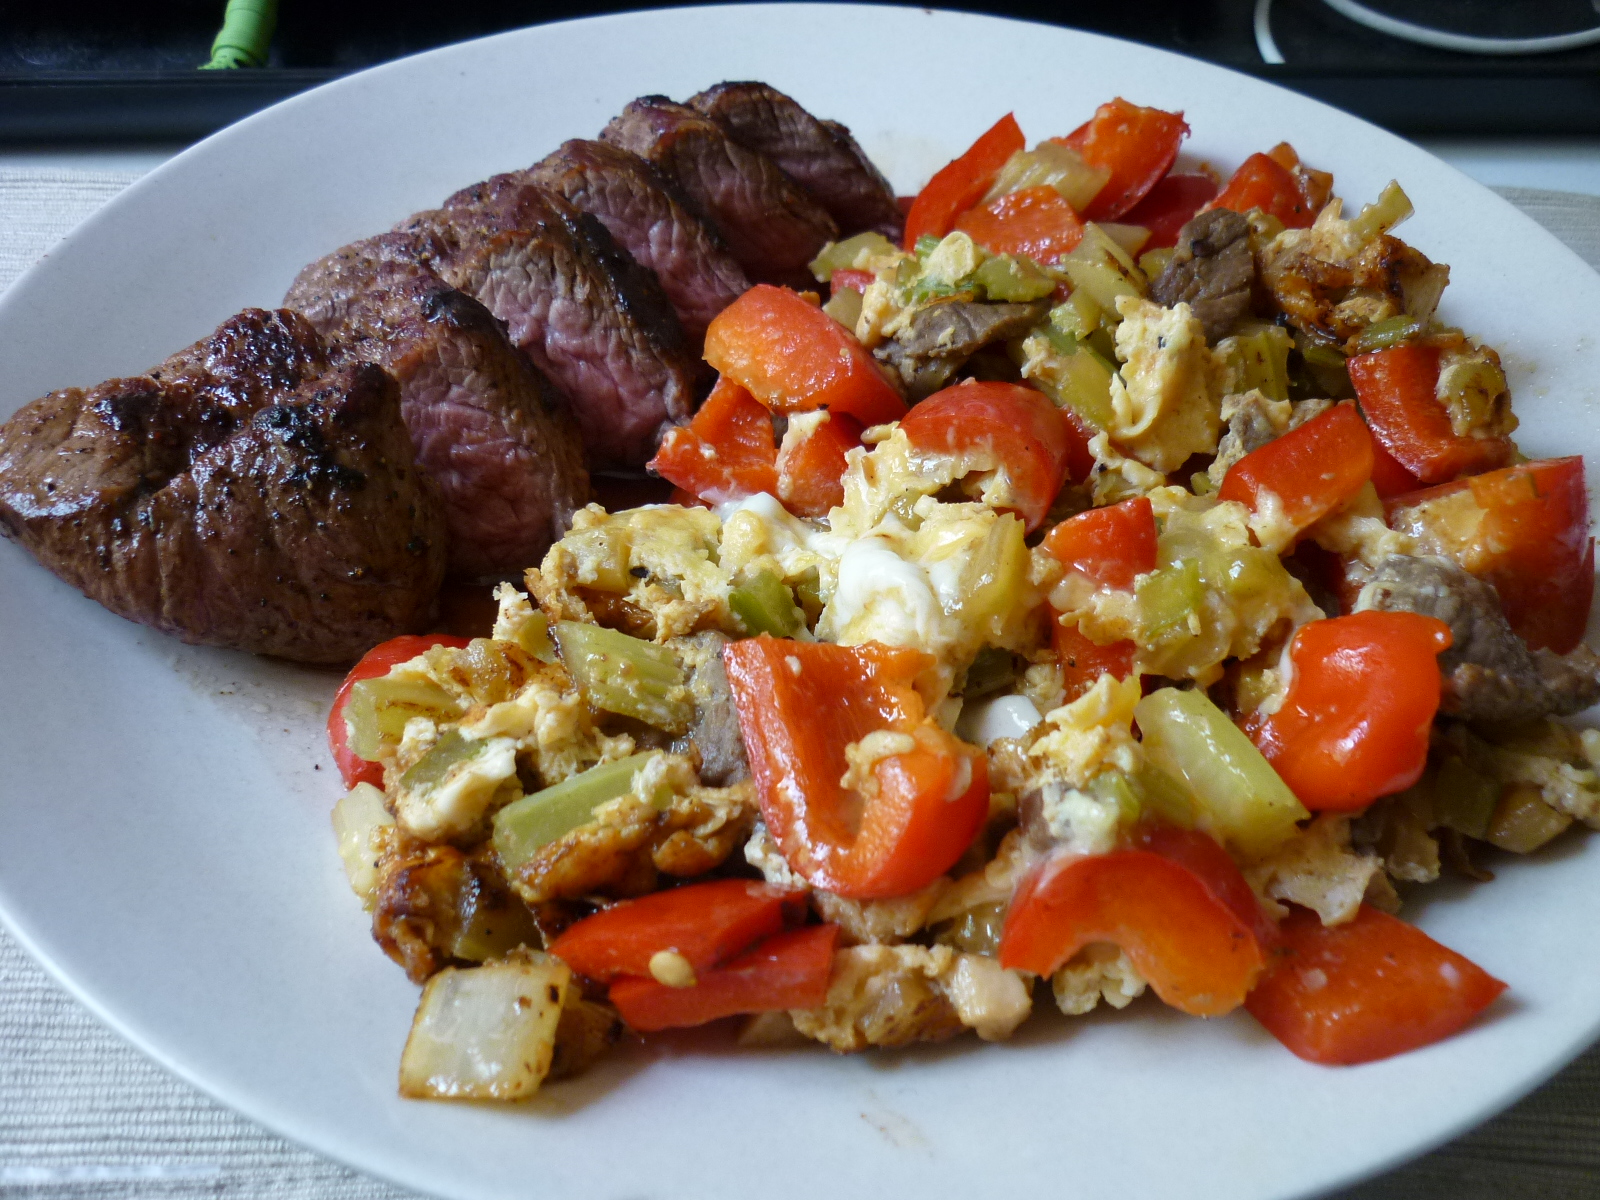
column 1128, row 582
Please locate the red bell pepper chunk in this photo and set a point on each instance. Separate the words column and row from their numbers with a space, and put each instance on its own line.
column 787, row 970
column 793, row 357
column 1137, row 145
column 1530, row 538
column 1355, row 721
column 706, row 923
column 1176, row 910
column 1262, row 182
column 1035, row 222
column 375, row 662
column 1111, row 545
column 726, row 453
column 1369, row 989
column 1389, row 478
column 1398, row 393
column 1311, row 470
column 800, row 705
column 987, row 426
column 1083, row 660
column 845, row 277
column 1168, row 206
column 811, row 464
column 961, row 183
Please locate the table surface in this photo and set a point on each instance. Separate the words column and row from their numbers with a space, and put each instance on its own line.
column 82, row 1114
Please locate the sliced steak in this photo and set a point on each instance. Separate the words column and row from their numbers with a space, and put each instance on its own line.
column 506, row 455
column 820, row 156
column 1212, row 271
column 591, row 318
column 241, row 494
column 1489, row 672
column 940, row 337
column 648, row 219
column 770, row 222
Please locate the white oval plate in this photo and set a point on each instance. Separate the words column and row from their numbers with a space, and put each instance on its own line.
column 166, row 848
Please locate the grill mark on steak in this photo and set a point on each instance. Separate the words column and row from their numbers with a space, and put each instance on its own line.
column 820, row 156
column 590, row 319
column 486, row 428
column 772, row 225
column 1489, row 673
column 241, row 494
column 1212, row 271
column 643, row 212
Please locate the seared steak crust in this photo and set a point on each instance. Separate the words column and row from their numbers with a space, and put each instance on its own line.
column 772, row 225
column 1212, row 271
column 820, row 156
column 1489, row 673
column 486, row 428
column 590, row 318
column 648, row 219
column 241, row 494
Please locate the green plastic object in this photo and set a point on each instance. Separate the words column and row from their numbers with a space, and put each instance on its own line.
column 245, row 36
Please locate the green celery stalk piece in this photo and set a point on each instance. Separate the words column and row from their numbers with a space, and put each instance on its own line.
column 1239, row 797
column 1165, row 598
column 1464, row 799
column 430, row 770
column 1013, row 280
column 523, row 827
column 626, row 675
column 378, row 709
column 764, row 604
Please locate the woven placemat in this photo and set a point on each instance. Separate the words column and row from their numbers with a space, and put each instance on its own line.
column 83, row 1115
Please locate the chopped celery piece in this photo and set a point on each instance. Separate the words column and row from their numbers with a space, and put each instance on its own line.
column 975, row 931
column 1166, row 598
column 1051, row 164
column 1391, row 207
column 1079, row 380
column 1153, row 262
column 1385, row 335
column 1013, row 280
column 1130, row 237
column 764, row 604
column 1464, row 799
column 378, row 709
column 532, row 634
column 808, row 591
column 492, row 925
column 1165, row 796
column 926, row 245
column 1239, row 797
column 843, row 256
column 1317, row 354
column 991, row 670
column 447, row 753
column 1523, row 821
column 525, row 826
column 1259, row 359
column 844, row 306
column 1113, row 787
column 625, row 675
column 1101, row 267
column 1078, row 315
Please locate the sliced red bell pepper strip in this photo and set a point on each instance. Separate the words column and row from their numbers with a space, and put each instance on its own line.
column 961, row 183
column 1205, row 858
column 1111, row 545
column 793, row 357
column 1311, row 470
column 705, row 923
column 811, row 464
column 1369, row 989
column 1389, row 478
column 1355, row 721
column 1530, row 538
column 1197, row 952
column 1168, row 206
column 375, row 662
column 1262, row 182
column 1035, row 222
column 787, row 970
column 1398, row 393
column 1083, row 661
column 801, row 704
column 1137, row 145
column 987, row 426
column 847, row 278
column 727, row 452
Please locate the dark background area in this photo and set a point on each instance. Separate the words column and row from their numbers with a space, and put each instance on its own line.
column 106, row 71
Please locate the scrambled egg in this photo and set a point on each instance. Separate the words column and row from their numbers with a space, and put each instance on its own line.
column 1164, row 403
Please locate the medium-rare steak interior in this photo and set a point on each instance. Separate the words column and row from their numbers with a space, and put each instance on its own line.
column 243, row 494
column 652, row 222
column 773, row 225
column 486, row 427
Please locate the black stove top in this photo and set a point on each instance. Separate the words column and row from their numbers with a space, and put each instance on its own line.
column 107, row 70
